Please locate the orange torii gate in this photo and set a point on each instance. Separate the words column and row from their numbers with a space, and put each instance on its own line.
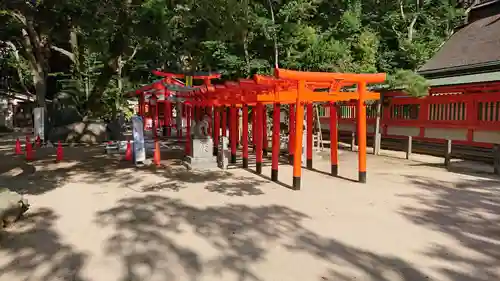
column 297, row 89
column 304, row 97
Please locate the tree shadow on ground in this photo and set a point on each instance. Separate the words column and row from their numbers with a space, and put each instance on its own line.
column 239, row 186
column 32, row 249
column 92, row 166
column 468, row 168
column 469, row 212
column 151, row 231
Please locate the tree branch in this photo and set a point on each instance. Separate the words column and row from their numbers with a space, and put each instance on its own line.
column 15, row 52
column 68, row 54
column 131, row 57
column 401, row 10
column 411, row 27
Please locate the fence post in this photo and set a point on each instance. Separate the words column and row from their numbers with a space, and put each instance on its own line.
column 378, row 136
column 496, row 157
column 409, row 143
column 447, row 154
column 353, row 141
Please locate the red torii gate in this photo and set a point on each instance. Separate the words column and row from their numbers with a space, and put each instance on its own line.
column 298, row 89
column 159, row 88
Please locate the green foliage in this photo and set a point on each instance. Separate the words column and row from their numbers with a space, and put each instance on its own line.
column 107, row 48
column 410, row 82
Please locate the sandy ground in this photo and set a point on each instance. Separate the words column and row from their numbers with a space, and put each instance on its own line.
column 98, row 219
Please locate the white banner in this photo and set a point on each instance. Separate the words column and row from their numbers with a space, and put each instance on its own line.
column 139, row 154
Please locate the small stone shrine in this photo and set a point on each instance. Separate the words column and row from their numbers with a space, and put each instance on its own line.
column 201, row 157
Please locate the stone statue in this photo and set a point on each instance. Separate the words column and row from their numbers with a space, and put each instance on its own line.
column 200, row 129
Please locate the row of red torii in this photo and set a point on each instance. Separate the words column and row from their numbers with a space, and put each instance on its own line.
column 296, row 88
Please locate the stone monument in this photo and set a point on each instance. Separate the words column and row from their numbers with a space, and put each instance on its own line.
column 201, row 157
column 223, row 153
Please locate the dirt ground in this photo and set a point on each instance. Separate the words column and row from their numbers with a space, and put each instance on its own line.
column 95, row 218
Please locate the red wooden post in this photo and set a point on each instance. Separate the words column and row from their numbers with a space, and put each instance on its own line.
column 471, row 116
column 258, row 138
column 309, row 144
column 264, row 130
column 233, row 134
column 145, row 112
column 180, row 114
column 188, row 130
column 141, row 105
column 334, row 140
column 216, row 130
column 198, row 113
column 153, row 112
column 253, row 126
column 245, row 136
column 237, row 131
column 169, row 119
column 157, row 118
column 291, row 133
column 166, row 118
column 209, row 112
column 361, row 119
column 276, row 142
column 299, row 130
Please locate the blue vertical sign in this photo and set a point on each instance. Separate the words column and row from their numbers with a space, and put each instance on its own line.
column 139, row 151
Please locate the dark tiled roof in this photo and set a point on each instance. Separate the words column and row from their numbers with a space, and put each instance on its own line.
column 475, row 44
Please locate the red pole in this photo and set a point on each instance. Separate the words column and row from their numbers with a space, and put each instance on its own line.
column 291, row 133
column 334, row 140
column 153, row 118
column 253, row 126
column 209, row 113
column 182, row 113
column 144, row 114
column 245, row 136
column 237, row 131
column 188, row 130
column 224, row 121
column 216, row 129
column 361, row 118
column 299, row 128
column 141, row 105
column 169, row 119
column 264, row 130
column 309, row 152
column 198, row 113
column 165, row 117
column 233, row 134
column 276, row 142
column 258, row 138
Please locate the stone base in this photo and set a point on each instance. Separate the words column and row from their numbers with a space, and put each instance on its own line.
column 202, row 147
column 197, row 163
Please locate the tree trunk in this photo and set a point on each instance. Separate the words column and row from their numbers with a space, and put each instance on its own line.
column 247, row 55
column 118, row 44
column 40, row 82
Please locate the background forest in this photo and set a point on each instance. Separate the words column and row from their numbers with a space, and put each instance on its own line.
column 88, row 52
